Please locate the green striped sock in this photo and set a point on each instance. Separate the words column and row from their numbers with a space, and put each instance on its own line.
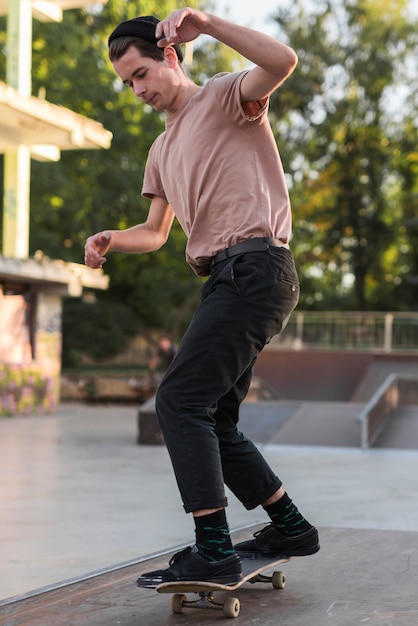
column 212, row 536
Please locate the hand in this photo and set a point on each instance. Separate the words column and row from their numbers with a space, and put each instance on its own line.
column 181, row 26
column 96, row 247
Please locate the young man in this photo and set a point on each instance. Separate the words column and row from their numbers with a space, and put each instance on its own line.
column 217, row 168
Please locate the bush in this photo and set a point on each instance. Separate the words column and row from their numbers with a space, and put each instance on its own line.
column 97, row 330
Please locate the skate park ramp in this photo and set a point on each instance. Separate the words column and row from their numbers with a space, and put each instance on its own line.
column 402, row 430
column 319, row 396
column 346, row 583
column 307, row 423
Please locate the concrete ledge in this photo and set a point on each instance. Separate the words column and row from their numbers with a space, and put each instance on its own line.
column 148, row 428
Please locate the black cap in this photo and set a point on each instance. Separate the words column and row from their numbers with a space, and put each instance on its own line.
column 143, row 27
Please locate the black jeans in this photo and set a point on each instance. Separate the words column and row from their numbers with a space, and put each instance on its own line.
column 246, row 300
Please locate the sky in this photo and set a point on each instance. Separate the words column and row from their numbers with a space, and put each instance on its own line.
column 254, row 13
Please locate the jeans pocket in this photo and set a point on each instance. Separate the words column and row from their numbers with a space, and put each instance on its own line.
column 245, row 271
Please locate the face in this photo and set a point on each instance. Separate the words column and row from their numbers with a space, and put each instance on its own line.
column 151, row 81
column 165, row 344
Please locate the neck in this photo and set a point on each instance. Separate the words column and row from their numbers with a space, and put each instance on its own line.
column 184, row 93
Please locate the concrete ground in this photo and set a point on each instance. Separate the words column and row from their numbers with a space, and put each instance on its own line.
column 79, row 495
column 359, row 577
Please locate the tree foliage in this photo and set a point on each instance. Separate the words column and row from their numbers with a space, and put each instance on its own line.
column 347, row 119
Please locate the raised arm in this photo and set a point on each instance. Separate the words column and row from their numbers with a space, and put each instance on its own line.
column 146, row 237
column 274, row 61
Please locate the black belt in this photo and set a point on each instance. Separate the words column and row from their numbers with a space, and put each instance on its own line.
column 258, row 244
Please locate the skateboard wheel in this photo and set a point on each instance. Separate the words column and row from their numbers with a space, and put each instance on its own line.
column 177, row 603
column 278, row 580
column 231, row 607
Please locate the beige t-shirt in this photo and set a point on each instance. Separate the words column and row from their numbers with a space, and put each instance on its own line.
column 220, row 170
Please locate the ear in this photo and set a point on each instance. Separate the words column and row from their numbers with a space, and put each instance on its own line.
column 170, row 56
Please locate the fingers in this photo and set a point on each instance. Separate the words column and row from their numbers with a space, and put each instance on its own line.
column 177, row 29
column 167, row 29
column 92, row 259
column 95, row 249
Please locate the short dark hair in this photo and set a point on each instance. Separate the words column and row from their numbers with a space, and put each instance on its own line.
column 118, row 47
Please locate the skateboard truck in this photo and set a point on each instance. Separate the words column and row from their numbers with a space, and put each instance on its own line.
column 230, row 606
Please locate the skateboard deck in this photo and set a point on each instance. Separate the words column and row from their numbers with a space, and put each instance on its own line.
column 253, row 571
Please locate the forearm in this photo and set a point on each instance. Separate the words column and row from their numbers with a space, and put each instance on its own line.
column 146, row 237
column 187, row 24
column 273, row 61
column 271, row 55
column 136, row 240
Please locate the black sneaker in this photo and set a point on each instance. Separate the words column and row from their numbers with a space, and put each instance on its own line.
column 190, row 565
column 270, row 543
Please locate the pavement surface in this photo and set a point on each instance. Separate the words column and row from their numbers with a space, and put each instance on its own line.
column 359, row 577
column 79, row 495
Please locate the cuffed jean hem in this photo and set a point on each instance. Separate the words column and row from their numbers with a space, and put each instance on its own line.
column 200, row 506
column 263, row 497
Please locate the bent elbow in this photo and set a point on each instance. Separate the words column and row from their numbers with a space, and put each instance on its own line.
column 161, row 241
column 286, row 63
column 292, row 60
column 295, row 59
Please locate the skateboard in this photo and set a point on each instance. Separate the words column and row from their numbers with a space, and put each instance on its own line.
column 253, row 571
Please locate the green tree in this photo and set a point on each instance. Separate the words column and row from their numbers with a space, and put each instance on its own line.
column 348, row 149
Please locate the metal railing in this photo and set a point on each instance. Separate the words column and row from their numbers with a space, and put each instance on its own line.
column 397, row 390
column 350, row 330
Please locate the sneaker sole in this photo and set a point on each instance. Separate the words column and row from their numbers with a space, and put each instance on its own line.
column 274, row 555
column 153, row 583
